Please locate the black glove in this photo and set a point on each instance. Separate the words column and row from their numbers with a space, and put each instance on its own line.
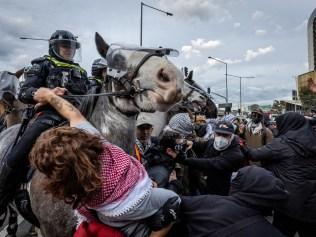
column 245, row 150
column 181, row 157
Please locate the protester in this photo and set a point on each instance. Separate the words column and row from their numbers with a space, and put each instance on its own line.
column 291, row 158
column 254, row 192
column 144, row 140
column 181, row 123
column 313, row 112
column 273, row 128
column 160, row 160
column 256, row 134
column 192, row 179
column 200, row 125
column 2, row 116
column 8, row 98
column 211, row 123
column 58, row 72
column 99, row 179
column 222, row 156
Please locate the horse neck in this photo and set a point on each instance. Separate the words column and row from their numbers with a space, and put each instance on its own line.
column 118, row 128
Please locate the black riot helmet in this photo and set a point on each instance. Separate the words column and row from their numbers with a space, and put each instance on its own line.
column 98, row 66
column 64, row 45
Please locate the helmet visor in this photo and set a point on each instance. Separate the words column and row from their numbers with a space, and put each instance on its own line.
column 68, row 50
column 119, row 55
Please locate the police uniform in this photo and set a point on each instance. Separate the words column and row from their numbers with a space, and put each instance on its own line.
column 50, row 71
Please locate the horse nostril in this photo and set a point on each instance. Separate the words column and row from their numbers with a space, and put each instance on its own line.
column 162, row 76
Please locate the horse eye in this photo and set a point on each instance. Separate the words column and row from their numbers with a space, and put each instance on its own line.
column 163, row 76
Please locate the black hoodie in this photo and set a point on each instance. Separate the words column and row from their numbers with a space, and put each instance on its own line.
column 292, row 157
column 253, row 191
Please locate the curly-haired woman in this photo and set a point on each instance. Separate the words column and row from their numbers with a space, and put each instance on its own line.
column 98, row 178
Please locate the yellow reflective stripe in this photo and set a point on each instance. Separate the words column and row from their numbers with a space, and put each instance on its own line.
column 98, row 80
column 63, row 64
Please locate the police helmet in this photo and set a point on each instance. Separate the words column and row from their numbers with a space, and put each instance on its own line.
column 98, row 66
column 63, row 45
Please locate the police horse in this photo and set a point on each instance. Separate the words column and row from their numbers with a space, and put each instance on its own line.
column 195, row 100
column 139, row 79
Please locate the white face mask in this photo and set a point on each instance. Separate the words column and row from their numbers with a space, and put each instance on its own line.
column 221, row 143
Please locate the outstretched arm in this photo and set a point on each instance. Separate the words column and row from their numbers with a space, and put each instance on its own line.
column 63, row 107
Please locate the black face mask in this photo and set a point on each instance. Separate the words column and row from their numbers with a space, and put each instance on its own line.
column 200, row 129
column 181, row 147
column 256, row 118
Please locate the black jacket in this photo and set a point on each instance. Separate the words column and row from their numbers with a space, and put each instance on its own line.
column 255, row 191
column 2, row 125
column 50, row 73
column 292, row 158
column 217, row 165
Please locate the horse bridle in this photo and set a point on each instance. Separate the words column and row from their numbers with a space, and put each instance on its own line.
column 126, row 80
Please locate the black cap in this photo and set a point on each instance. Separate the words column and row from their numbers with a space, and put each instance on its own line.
column 224, row 128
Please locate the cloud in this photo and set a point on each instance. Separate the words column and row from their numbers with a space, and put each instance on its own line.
column 257, row 15
column 203, row 10
column 265, row 93
column 302, row 26
column 15, row 26
column 188, row 50
column 233, row 61
column 278, row 28
column 201, row 44
column 260, row 15
column 237, row 24
column 11, row 29
column 198, row 45
column 212, row 62
column 252, row 54
column 260, row 32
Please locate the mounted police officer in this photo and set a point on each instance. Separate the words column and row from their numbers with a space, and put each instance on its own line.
column 98, row 72
column 58, row 72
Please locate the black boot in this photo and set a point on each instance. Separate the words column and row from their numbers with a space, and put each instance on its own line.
column 9, row 181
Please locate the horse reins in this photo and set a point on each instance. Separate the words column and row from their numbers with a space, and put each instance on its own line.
column 126, row 81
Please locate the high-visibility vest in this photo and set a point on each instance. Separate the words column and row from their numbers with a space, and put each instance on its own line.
column 137, row 153
column 63, row 64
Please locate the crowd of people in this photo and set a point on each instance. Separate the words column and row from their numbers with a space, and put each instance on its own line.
column 201, row 176
column 194, row 165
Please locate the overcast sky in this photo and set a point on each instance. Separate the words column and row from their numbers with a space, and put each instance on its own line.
column 264, row 39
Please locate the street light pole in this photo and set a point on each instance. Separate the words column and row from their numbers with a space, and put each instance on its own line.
column 216, row 59
column 141, row 23
column 240, row 77
column 141, row 18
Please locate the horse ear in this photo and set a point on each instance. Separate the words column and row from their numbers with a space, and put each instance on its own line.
column 190, row 76
column 102, row 46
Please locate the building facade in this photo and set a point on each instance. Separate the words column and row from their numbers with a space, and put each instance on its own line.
column 306, row 87
column 311, row 36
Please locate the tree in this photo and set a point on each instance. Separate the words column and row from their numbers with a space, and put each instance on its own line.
column 278, row 106
column 307, row 97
